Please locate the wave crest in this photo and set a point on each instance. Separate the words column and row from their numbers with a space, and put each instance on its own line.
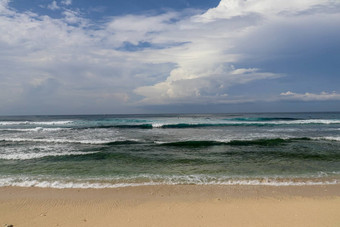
column 35, row 122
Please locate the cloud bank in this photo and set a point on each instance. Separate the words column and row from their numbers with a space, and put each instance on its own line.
column 323, row 96
column 187, row 56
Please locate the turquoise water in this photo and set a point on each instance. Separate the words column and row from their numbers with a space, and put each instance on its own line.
column 99, row 151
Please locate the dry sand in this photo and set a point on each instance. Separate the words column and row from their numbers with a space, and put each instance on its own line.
column 186, row 205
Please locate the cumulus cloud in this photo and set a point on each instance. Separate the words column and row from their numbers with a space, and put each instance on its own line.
column 211, row 86
column 267, row 8
column 73, row 17
column 323, row 96
column 178, row 57
column 215, row 44
column 66, row 2
column 53, row 6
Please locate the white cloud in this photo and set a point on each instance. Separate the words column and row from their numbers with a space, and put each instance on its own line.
column 73, row 17
column 4, row 7
column 181, row 87
column 66, row 2
column 53, row 6
column 237, row 8
column 191, row 58
column 323, row 96
column 212, row 40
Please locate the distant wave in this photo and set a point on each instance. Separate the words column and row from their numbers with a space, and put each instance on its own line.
column 123, row 142
column 193, row 143
column 140, row 124
column 36, row 129
column 35, row 122
column 250, row 123
column 144, row 124
column 26, row 156
column 331, row 138
column 186, row 143
column 262, row 119
column 261, row 142
column 68, row 141
column 226, row 123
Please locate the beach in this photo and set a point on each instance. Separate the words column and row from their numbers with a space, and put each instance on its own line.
column 264, row 169
column 172, row 205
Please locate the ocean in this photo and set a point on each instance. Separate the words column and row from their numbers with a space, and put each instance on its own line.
column 108, row 151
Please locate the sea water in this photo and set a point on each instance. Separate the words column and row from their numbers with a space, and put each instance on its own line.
column 105, row 151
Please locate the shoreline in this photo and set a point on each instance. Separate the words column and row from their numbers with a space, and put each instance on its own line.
column 172, row 205
column 180, row 180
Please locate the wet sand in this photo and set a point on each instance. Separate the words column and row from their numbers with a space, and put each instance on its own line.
column 181, row 205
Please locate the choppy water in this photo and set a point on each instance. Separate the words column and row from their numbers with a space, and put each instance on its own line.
column 127, row 150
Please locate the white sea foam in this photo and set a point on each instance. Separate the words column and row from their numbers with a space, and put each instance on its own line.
column 332, row 138
column 36, row 129
column 14, row 122
column 285, row 130
column 62, row 185
column 158, row 125
column 174, row 180
column 65, row 185
column 51, row 122
column 63, row 140
column 55, row 140
column 280, row 122
column 314, row 121
column 26, row 156
column 35, row 122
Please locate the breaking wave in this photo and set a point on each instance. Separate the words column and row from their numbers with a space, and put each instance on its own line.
column 35, row 122
column 186, row 143
column 27, row 156
column 104, row 142
column 36, row 129
column 221, row 124
column 148, row 180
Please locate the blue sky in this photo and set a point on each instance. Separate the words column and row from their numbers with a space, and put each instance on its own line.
column 103, row 57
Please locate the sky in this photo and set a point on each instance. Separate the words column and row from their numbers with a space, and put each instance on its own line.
column 169, row 56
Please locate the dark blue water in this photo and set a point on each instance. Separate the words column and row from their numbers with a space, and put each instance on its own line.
column 121, row 150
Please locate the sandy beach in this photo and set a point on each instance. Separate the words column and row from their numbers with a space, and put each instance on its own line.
column 181, row 205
